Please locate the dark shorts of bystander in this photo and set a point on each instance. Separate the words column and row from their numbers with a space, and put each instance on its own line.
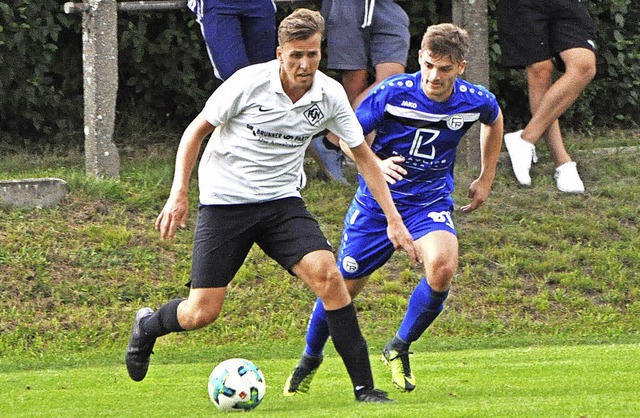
column 532, row 31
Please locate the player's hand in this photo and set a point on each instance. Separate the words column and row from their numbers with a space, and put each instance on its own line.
column 392, row 170
column 478, row 193
column 173, row 216
column 401, row 238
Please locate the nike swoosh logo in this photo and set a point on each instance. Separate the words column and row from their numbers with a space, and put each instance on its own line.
column 265, row 109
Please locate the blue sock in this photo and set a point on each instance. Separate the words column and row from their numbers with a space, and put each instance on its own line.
column 317, row 331
column 425, row 304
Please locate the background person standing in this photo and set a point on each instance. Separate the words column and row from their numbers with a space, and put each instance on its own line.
column 363, row 36
column 237, row 33
column 539, row 35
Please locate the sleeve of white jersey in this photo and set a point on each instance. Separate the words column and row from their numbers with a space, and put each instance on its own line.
column 225, row 101
column 343, row 122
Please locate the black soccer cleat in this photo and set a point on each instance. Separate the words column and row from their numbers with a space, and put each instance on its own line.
column 299, row 381
column 140, row 347
column 372, row 395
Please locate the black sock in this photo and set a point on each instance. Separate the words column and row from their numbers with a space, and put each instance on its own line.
column 309, row 362
column 351, row 345
column 399, row 345
column 164, row 320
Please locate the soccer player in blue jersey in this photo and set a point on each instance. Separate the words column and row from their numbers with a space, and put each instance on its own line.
column 414, row 123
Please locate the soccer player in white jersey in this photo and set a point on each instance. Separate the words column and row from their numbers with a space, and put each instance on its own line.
column 249, row 181
column 415, row 123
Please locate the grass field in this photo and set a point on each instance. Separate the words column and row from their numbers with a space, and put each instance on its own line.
column 543, row 318
column 568, row 381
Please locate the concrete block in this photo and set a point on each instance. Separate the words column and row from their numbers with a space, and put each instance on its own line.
column 30, row 193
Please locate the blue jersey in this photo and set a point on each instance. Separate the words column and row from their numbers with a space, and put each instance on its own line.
column 425, row 132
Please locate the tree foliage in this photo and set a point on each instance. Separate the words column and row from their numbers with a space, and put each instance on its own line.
column 165, row 75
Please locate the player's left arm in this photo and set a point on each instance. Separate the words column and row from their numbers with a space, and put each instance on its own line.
column 490, row 145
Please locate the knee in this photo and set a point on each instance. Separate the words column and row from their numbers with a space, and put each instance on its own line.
column 440, row 272
column 583, row 70
column 541, row 72
column 325, row 282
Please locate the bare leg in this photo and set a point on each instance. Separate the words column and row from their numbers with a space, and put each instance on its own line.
column 580, row 70
column 201, row 308
column 383, row 71
column 318, row 270
column 540, row 79
column 356, row 84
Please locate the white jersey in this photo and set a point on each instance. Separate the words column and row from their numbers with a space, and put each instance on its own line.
column 257, row 152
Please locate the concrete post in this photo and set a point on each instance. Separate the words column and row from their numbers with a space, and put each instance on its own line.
column 472, row 16
column 100, row 56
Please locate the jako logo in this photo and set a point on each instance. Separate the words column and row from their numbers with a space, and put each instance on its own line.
column 409, row 104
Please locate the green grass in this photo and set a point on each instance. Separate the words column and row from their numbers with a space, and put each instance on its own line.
column 580, row 381
column 543, row 317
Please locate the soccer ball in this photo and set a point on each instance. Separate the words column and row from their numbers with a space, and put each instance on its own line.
column 236, row 384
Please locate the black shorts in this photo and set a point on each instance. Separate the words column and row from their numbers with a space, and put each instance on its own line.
column 532, row 31
column 284, row 229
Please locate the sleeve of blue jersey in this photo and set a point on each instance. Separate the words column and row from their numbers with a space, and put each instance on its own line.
column 491, row 109
column 370, row 112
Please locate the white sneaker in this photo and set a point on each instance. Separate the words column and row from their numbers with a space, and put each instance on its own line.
column 568, row 179
column 522, row 154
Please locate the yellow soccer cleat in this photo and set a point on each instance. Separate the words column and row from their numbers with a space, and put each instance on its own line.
column 400, row 370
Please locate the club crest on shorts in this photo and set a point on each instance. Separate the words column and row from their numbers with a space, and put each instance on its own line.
column 349, row 264
column 314, row 115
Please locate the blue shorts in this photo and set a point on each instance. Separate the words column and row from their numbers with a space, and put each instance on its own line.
column 351, row 47
column 365, row 246
column 237, row 33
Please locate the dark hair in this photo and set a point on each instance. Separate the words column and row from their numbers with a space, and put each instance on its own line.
column 301, row 24
column 446, row 40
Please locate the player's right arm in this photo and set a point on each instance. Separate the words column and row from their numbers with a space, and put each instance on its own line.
column 490, row 144
column 390, row 167
column 176, row 209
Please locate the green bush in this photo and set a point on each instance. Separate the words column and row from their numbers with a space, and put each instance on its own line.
column 41, row 92
column 165, row 75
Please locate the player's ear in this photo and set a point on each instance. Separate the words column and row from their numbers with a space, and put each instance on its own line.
column 462, row 67
column 279, row 53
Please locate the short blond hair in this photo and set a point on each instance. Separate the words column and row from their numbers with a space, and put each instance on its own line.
column 301, row 24
column 446, row 40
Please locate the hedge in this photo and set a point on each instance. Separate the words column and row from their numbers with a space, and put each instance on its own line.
column 165, row 75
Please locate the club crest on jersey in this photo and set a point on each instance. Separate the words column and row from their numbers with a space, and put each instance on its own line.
column 313, row 115
column 455, row 122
